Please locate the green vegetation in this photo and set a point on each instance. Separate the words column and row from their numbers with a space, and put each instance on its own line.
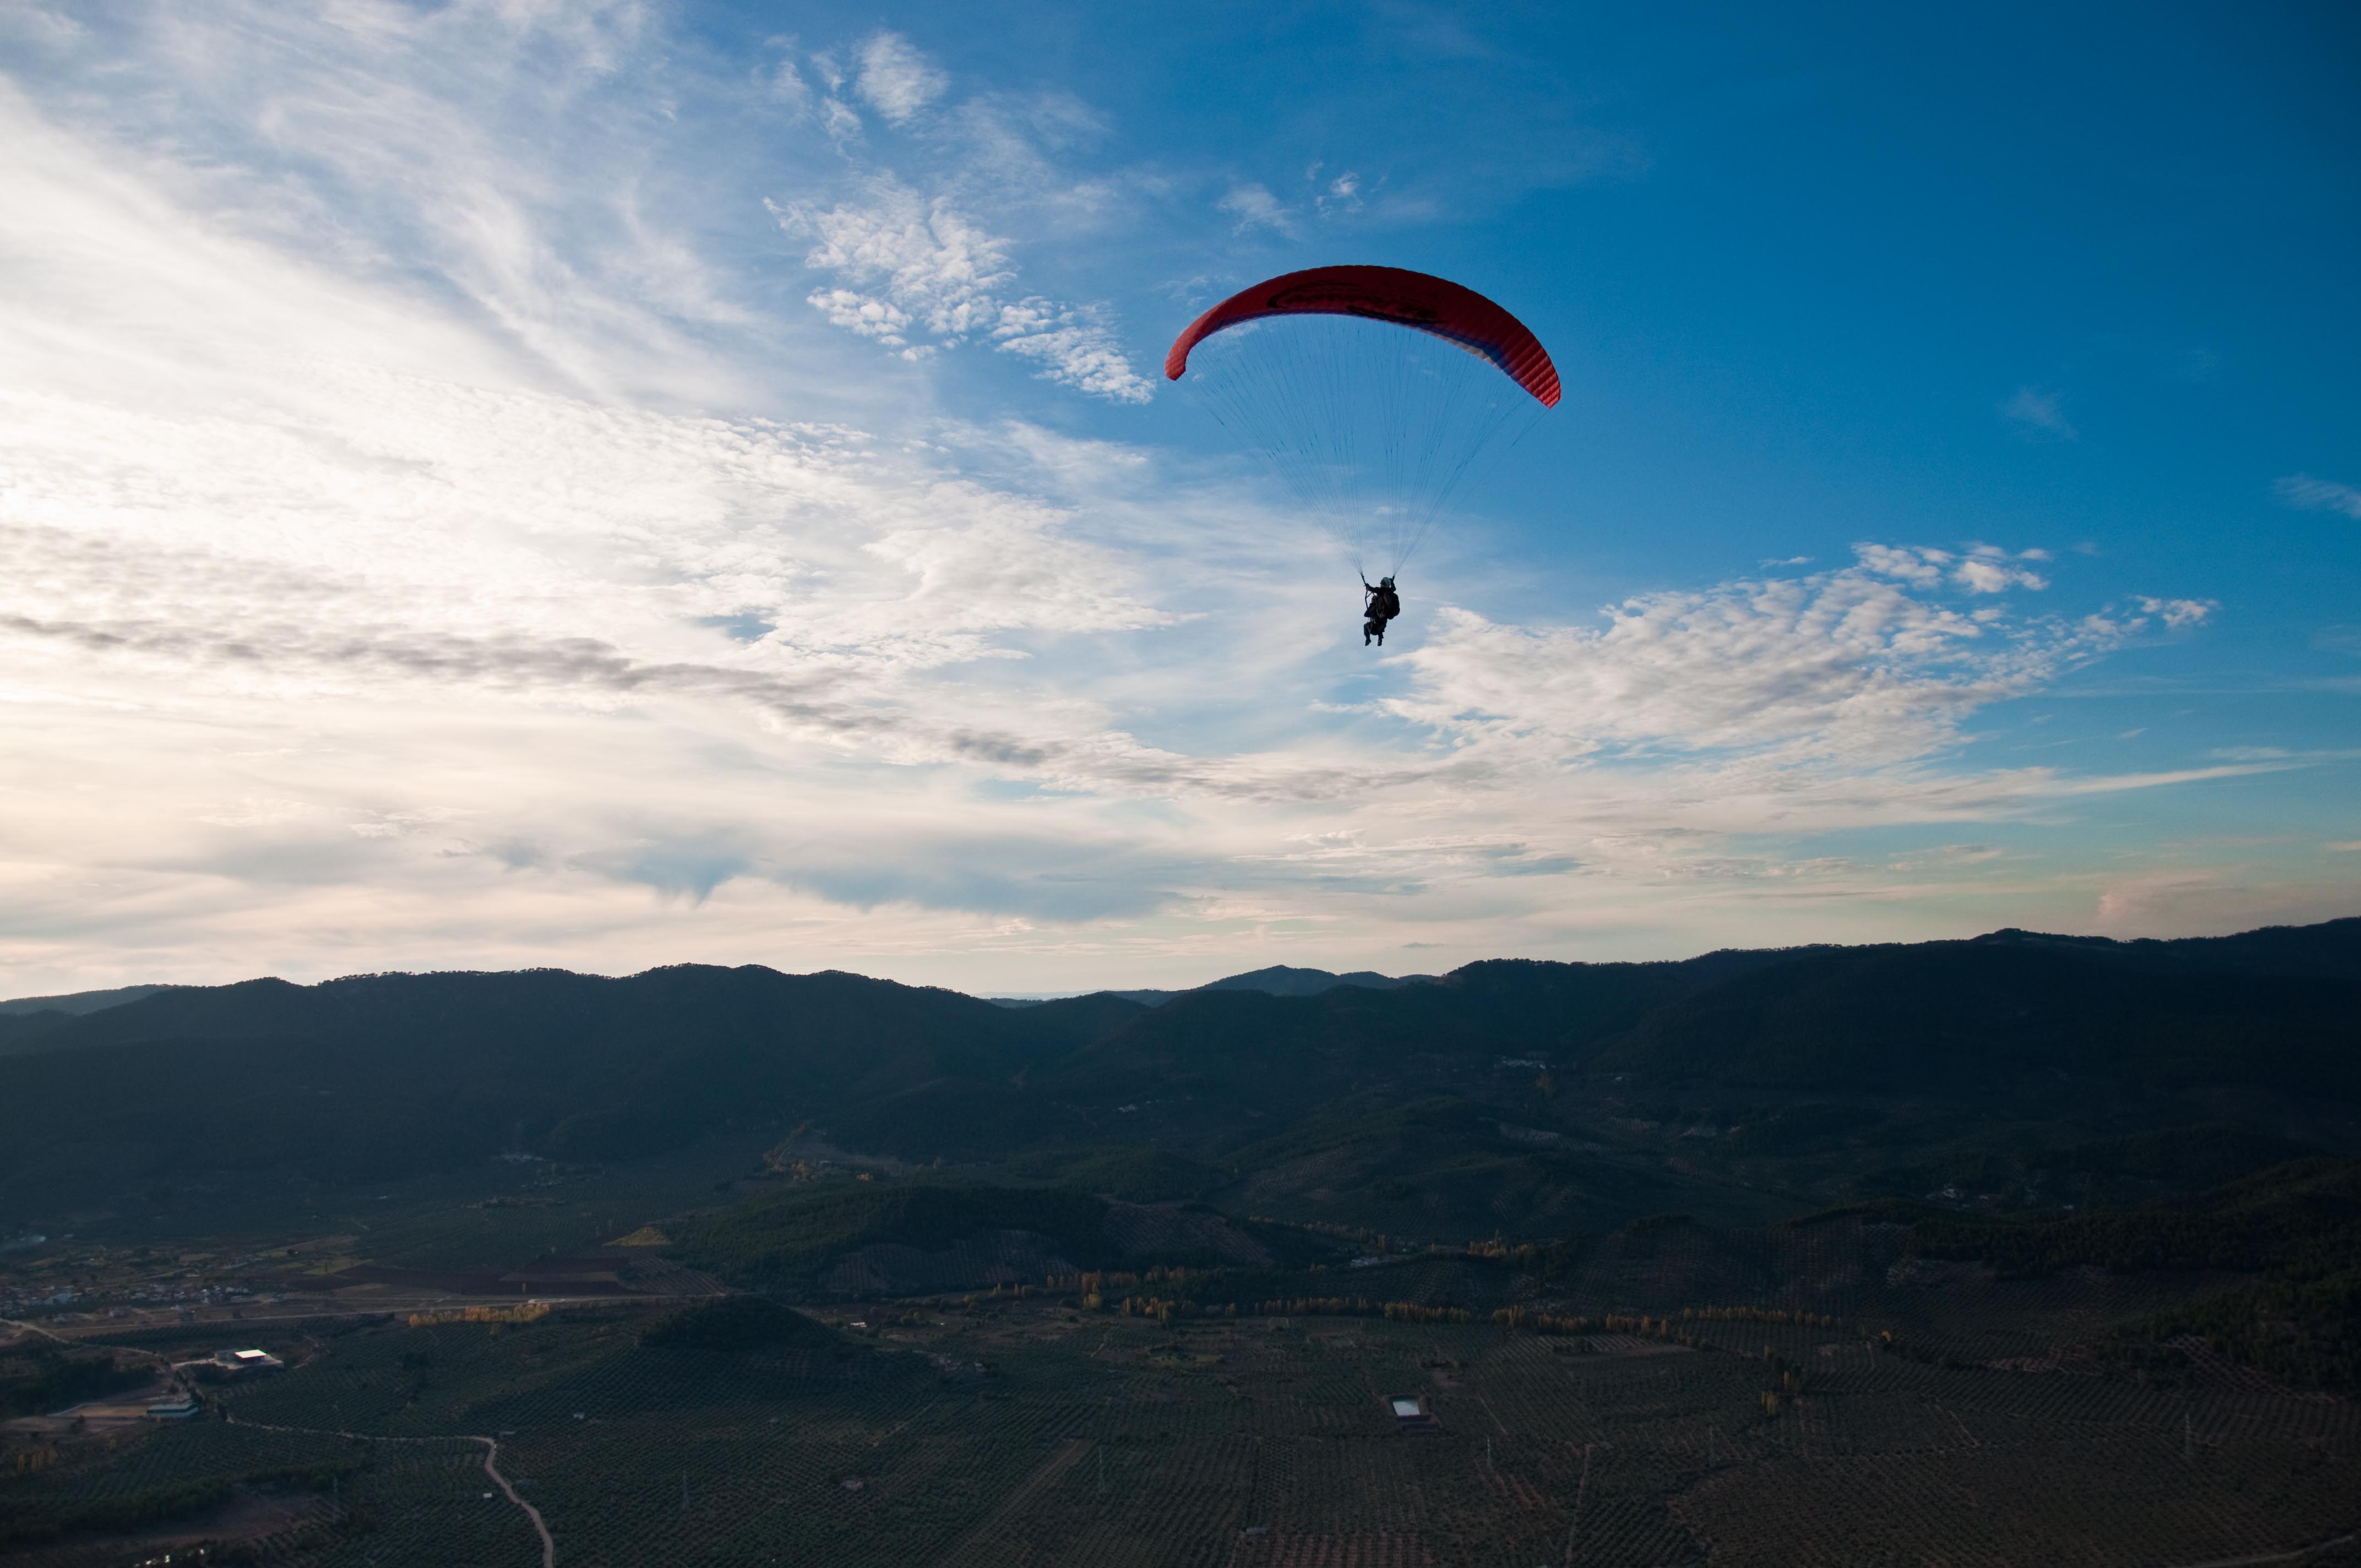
column 2306, row 1333
column 784, row 1242
column 730, row 1324
column 2301, row 1220
column 1113, row 1171
column 1463, row 1099
column 1017, row 1431
column 2012, row 1015
column 2299, row 1224
column 37, row 1378
column 2191, row 1157
column 1800, row 1129
column 1135, row 1282
column 162, row 1474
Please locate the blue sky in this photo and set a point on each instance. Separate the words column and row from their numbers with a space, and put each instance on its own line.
column 612, row 485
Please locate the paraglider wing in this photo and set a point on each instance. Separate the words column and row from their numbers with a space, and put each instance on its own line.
column 1371, row 427
column 1413, row 299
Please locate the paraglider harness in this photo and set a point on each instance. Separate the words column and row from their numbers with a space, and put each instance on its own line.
column 1383, row 604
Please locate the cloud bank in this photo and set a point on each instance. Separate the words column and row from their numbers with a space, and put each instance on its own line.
column 431, row 544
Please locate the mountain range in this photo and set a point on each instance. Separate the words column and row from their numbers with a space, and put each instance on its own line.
column 1505, row 1094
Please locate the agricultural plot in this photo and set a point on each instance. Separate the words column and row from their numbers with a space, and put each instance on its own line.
column 2101, row 1498
column 1022, row 1431
column 423, row 1502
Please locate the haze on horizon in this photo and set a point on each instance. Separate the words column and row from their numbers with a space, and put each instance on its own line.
column 610, row 485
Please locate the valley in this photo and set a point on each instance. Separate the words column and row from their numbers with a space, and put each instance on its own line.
column 1757, row 1258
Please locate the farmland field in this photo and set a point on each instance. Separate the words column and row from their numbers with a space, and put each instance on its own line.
column 1007, row 1431
column 1544, row 1264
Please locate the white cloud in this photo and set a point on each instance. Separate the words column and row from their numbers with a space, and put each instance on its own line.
column 896, row 80
column 792, row 93
column 862, row 314
column 1987, row 570
column 1850, row 664
column 1983, row 577
column 2179, row 615
column 1342, row 194
column 1254, row 207
column 1076, row 346
column 1944, row 856
column 843, row 126
column 1980, row 569
column 934, row 263
column 403, row 468
column 252, row 812
column 2038, row 415
column 788, row 88
column 2320, row 495
column 1911, row 564
column 447, row 146
column 936, row 268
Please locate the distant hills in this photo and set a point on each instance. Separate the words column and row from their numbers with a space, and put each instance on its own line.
column 1278, row 980
column 1507, row 1094
column 2043, row 1018
column 80, row 1001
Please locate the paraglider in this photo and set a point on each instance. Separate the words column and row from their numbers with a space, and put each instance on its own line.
column 1378, row 604
column 1370, row 425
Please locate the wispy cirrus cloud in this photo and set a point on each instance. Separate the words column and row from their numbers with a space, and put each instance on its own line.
column 932, row 278
column 1253, row 207
column 464, row 150
column 935, row 268
column 2037, row 414
column 407, row 468
column 1867, row 664
column 1341, row 194
column 916, row 266
column 895, row 78
column 2308, row 494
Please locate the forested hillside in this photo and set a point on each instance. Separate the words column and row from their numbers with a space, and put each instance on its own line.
column 2084, row 1213
column 1507, row 1094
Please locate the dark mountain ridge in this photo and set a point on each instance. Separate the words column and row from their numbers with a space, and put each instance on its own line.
column 1960, row 1016
column 376, row 1077
column 2331, row 948
column 78, row 1001
column 1278, row 980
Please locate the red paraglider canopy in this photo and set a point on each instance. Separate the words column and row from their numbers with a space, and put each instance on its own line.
column 1413, row 299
